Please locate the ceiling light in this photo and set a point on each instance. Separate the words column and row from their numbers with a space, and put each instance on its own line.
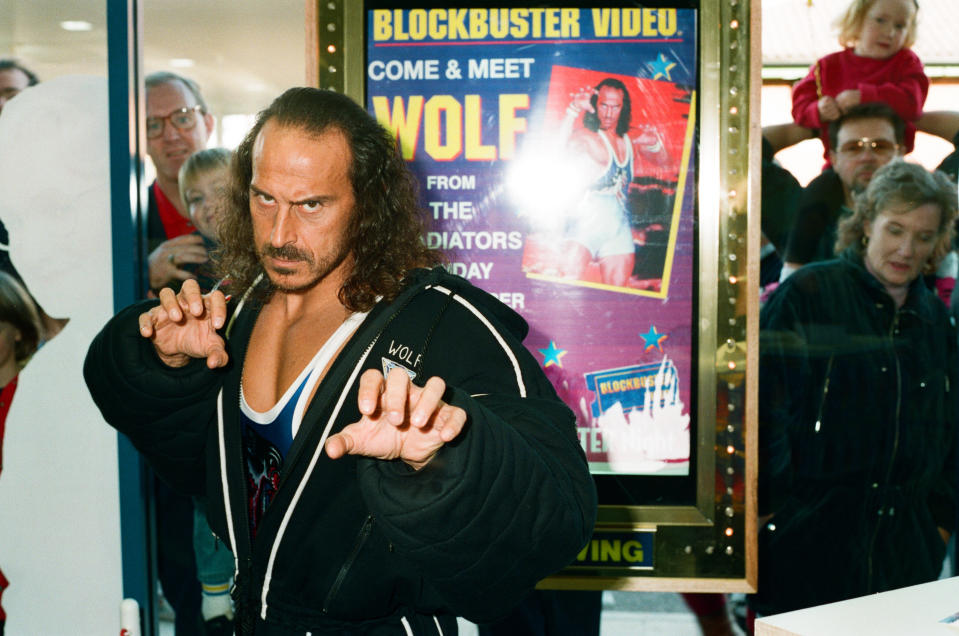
column 76, row 25
column 182, row 62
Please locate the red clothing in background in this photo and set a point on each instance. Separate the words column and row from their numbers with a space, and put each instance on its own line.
column 6, row 396
column 899, row 81
column 174, row 224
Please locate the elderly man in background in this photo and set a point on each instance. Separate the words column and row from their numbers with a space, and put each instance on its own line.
column 178, row 124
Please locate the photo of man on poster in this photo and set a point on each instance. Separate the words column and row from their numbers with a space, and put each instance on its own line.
column 613, row 208
column 598, row 225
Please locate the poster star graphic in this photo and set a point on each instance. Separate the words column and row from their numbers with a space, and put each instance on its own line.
column 653, row 338
column 661, row 67
column 552, row 355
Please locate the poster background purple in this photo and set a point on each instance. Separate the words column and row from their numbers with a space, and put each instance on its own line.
column 472, row 113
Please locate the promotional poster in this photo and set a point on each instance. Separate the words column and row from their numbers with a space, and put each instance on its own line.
column 555, row 153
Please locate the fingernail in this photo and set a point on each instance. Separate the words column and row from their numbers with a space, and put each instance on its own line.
column 396, row 417
column 366, row 406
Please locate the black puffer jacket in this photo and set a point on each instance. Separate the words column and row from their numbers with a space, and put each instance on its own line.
column 820, row 206
column 359, row 545
column 857, row 437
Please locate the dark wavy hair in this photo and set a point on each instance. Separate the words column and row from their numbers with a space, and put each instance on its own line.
column 385, row 232
column 591, row 120
column 8, row 64
column 18, row 309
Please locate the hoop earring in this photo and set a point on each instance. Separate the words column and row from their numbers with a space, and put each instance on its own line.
column 864, row 240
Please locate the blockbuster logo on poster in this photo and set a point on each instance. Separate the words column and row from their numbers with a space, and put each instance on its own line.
column 628, row 386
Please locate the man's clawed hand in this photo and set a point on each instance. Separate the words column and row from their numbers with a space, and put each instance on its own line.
column 581, row 100
column 183, row 326
column 399, row 420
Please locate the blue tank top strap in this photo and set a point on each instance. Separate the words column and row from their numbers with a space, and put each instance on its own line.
column 276, row 425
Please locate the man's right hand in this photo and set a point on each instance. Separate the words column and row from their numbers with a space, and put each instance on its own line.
column 183, row 326
column 581, row 100
column 165, row 261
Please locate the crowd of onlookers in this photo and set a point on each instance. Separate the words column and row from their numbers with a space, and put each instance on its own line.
column 858, row 350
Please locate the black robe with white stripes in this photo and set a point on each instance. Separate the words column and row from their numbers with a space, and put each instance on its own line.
column 359, row 544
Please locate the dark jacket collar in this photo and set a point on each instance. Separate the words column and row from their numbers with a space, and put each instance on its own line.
column 916, row 297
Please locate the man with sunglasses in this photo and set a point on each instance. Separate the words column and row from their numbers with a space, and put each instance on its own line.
column 178, row 124
column 865, row 138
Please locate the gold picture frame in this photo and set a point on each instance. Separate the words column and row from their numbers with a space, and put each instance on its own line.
column 708, row 545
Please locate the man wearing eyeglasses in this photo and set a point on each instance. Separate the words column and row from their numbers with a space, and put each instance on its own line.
column 177, row 125
column 865, row 138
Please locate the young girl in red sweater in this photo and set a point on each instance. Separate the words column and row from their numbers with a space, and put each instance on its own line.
column 875, row 65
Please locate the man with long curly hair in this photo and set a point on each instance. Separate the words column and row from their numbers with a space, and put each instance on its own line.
column 374, row 442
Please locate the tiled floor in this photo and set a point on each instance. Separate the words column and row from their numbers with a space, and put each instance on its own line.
column 623, row 623
column 651, row 623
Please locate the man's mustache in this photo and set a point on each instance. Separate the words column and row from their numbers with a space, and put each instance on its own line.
column 286, row 253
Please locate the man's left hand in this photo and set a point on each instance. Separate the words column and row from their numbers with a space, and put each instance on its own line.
column 399, row 420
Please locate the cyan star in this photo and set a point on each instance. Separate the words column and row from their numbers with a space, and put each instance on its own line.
column 552, row 355
column 653, row 338
column 661, row 67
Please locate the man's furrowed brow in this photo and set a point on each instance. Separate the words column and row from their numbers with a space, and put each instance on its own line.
column 319, row 198
column 324, row 199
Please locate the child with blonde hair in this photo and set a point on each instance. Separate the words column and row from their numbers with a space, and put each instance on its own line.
column 875, row 65
column 204, row 182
